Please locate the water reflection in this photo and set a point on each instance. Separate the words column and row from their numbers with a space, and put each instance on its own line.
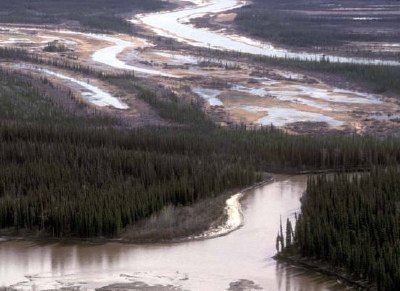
column 200, row 265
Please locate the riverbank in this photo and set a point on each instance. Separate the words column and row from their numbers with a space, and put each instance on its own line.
column 223, row 216
column 351, row 30
column 240, row 259
column 206, row 219
column 105, row 16
column 336, row 229
column 176, row 24
column 249, row 88
column 325, row 269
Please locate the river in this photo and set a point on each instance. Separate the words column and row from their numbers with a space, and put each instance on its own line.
column 176, row 24
column 211, row 264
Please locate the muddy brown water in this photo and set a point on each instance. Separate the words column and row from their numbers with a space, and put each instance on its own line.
column 213, row 264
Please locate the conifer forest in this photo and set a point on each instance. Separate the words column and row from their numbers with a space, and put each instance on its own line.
column 199, row 145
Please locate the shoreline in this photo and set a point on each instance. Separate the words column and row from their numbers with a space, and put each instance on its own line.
column 244, row 193
column 231, row 28
column 324, row 269
column 138, row 261
column 224, row 41
column 199, row 236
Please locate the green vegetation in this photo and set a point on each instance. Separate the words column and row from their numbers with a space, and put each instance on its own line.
column 100, row 15
column 66, row 173
column 12, row 54
column 352, row 221
column 66, row 179
column 87, row 182
column 54, row 46
column 23, row 101
column 378, row 78
column 315, row 23
column 68, row 176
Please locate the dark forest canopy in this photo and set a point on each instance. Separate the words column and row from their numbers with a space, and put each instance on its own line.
column 353, row 221
column 68, row 175
column 307, row 24
column 93, row 14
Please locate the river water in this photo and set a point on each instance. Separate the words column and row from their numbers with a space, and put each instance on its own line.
column 92, row 94
column 176, row 24
column 211, row 264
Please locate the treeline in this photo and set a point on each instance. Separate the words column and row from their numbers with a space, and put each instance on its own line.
column 24, row 99
column 99, row 15
column 168, row 106
column 379, row 78
column 75, row 177
column 353, row 221
column 73, row 182
column 65, row 176
column 21, row 55
column 314, row 24
column 54, row 46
